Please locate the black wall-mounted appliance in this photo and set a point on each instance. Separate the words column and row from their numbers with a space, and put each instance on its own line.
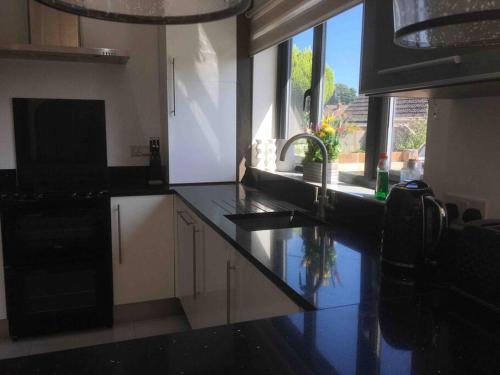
column 60, row 144
column 414, row 225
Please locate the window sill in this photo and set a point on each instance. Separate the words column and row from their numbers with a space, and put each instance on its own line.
column 341, row 187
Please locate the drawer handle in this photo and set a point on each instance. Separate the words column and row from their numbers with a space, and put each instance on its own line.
column 186, row 221
column 195, row 290
column 173, row 111
column 119, row 219
column 452, row 60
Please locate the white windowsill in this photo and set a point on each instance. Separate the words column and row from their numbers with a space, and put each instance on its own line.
column 342, row 187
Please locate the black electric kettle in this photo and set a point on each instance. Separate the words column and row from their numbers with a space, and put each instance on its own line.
column 414, row 225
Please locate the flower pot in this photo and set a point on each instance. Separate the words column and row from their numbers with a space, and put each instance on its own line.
column 312, row 172
column 410, row 154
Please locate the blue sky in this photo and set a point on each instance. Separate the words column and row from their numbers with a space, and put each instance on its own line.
column 343, row 45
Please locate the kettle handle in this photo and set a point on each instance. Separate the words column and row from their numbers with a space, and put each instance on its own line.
column 442, row 221
column 415, row 183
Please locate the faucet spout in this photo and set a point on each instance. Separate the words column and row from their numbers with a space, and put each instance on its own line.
column 323, row 199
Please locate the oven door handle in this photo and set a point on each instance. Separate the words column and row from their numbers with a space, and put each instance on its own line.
column 119, row 221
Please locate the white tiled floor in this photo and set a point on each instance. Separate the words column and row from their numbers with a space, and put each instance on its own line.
column 120, row 332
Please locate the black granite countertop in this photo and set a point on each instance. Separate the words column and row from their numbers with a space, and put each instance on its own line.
column 122, row 181
column 364, row 321
column 418, row 334
column 138, row 190
column 292, row 258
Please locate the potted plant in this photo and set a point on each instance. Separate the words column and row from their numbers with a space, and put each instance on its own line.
column 329, row 131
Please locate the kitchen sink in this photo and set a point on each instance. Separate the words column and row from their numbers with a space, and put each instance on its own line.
column 273, row 220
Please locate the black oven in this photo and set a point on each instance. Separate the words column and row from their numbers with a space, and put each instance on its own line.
column 57, row 260
column 56, row 227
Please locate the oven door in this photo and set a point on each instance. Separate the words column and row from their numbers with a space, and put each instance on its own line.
column 65, row 296
column 44, row 232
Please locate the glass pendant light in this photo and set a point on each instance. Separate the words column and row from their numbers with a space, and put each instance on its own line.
column 446, row 23
column 152, row 11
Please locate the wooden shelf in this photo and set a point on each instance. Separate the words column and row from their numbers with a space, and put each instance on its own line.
column 80, row 54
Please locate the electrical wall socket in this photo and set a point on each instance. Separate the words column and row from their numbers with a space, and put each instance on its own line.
column 139, row 151
column 464, row 202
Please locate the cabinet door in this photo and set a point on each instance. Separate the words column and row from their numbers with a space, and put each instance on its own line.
column 210, row 302
column 254, row 296
column 188, row 236
column 185, row 255
column 202, row 133
column 201, row 91
column 201, row 260
column 143, row 248
column 442, row 66
column 203, row 52
column 189, row 242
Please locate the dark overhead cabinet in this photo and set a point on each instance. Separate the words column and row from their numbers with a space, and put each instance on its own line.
column 390, row 70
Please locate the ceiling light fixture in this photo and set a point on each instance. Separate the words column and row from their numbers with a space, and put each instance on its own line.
column 157, row 12
column 446, row 23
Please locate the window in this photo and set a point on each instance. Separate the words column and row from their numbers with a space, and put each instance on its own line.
column 316, row 81
column 341, row 103
column 407, row 134
column 323, row 87
column 299, row 114
column 301, row 81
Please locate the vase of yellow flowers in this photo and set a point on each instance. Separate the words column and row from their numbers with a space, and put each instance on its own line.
column 329, row 131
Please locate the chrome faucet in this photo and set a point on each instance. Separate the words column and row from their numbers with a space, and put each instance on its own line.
column 322, row 200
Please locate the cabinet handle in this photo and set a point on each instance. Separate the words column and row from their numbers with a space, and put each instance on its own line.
column 195, row 289
column 119, row 219
column 229, row 268
column 172, row 112
column 455, row 60
column 186, row 221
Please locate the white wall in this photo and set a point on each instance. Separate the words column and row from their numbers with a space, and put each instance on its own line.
column 264, row 94
column 463, row 149
column 131, row 91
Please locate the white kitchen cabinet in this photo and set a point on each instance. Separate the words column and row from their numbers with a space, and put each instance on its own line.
column 203, row 52
column 186, row 237
column 253, row 296
column 201, row 97
column 229, row 288
column 207, row 307
column 189, row 259
column 188, row 240
column 143, row 248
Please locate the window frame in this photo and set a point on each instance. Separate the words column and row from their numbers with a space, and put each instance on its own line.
column 378, row 111
column 283, row 87
column 386, row 146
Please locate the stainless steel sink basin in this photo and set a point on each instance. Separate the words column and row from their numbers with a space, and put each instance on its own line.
column 273, row 220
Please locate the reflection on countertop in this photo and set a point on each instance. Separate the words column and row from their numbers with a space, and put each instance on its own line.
column 319, row 266
column 416, row 334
